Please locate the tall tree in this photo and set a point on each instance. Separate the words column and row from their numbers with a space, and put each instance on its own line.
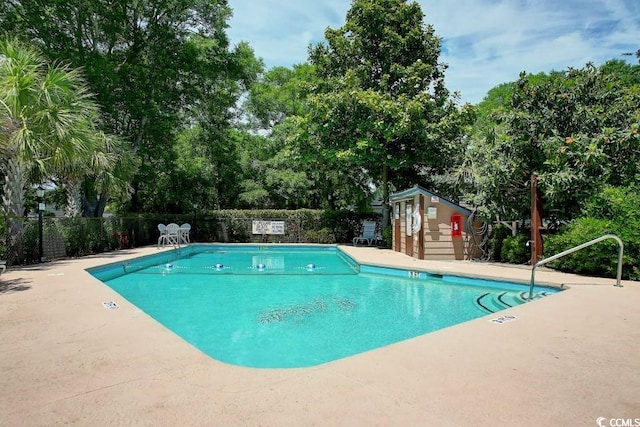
column 104, row 169
column 149, row 64
column 577, row 130
column 215, row 113
column 279, row 172
column 47, row 122
column 383, row 109
column 281, row 93
column 275, row 175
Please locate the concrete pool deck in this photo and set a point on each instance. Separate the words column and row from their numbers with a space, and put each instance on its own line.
column 568, row 359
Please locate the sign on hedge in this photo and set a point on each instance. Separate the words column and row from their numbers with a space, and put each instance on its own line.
column 267, row 227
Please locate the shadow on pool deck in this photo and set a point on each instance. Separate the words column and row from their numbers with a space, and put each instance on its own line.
column 14, row 285
column 564, row 360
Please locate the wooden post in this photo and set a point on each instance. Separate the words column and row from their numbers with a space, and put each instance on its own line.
column 420, row 232
column 536, row 221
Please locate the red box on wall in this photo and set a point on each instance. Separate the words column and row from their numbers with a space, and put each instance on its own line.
column 456, row 225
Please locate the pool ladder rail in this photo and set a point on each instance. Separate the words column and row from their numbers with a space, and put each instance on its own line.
column 577, row 248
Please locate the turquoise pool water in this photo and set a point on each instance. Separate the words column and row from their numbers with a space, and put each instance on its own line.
column 284, row 306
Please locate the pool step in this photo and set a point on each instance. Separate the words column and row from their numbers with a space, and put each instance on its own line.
column 493, row 302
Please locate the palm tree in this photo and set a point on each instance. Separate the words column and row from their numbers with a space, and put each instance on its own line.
column 47, row 119
column 72, row 173
column 106, row 168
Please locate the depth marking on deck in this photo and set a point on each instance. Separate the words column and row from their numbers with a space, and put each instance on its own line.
column 110, row 305
column 503, row 319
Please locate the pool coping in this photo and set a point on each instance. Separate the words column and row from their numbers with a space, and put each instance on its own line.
column 568, row 359
column 434, row 271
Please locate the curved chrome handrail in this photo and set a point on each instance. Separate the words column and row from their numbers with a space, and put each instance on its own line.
column 577, row 248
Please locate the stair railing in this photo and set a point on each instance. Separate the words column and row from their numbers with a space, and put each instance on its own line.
column 577, row 248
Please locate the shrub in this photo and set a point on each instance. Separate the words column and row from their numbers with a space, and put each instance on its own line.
column 75, row 237
column 515, row 249
column 324, row 235
column 3, row 241
column 387, row 236
column 498, row 234
column 612, row 211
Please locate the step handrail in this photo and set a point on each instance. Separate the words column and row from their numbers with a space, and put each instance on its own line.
column 577, row 248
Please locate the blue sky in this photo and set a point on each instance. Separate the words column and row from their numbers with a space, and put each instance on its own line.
column 485, row 42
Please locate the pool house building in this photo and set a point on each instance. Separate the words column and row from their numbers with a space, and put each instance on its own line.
column 426, row 226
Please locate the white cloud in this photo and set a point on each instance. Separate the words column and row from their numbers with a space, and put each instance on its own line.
column 280, row 31
column 486, row 42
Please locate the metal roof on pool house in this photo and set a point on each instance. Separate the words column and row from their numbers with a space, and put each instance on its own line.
column 417, row 190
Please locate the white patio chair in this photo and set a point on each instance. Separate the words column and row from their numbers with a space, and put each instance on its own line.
column 3, row 266
column 184, row 231
column 368, row 235
column 163, row 235
column 173, row 234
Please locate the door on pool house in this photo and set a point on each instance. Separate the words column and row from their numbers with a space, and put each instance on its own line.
column 397, row 222
column 408, row 243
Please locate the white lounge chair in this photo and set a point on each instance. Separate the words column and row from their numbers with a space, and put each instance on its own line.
column 3, row 266
column 368, row 234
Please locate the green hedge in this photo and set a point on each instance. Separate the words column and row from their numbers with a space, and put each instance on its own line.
column 503, row 247
column 498, row 234
column 515, row 250
column 74, row 237
column 613, row 211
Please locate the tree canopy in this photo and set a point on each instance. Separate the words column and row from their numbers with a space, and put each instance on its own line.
column 370, row 112
column 155, row 68
column 48, row 124
column 381, row 107
column 576, row 130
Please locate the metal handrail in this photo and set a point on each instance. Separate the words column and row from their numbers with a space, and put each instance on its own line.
column 577, row 248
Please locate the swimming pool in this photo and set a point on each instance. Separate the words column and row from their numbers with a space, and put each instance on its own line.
column 286, row 306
